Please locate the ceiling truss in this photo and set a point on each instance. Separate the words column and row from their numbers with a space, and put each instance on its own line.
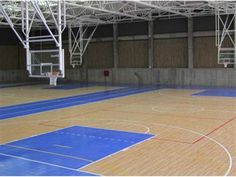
column 107, row 12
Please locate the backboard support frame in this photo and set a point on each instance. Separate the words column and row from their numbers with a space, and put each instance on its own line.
column 57, row 13
column 223, row 23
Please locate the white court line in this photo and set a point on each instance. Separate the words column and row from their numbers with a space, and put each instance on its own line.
column 209, row 138
column 189, row 130
column 170, row 126
column 213, row 140
column 103, row 128
column 36, row 161
column 45, row 163
column 91, row 162
column 52, row 153
column 62, row 146
column 96, row 174
column 36, row 135
column 124, row 149
column 230, row 159
column 97, row 137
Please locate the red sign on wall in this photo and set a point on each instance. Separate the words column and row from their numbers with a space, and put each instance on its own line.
column 106, row 73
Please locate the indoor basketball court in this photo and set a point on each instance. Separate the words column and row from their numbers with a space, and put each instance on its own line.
column 117, row 88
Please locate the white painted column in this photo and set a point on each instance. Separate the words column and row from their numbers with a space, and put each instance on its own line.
column 27, row 31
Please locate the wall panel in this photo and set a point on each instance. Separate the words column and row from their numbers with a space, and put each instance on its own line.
column 170, row 53
column 171, row 76
column 205, row 52
column 12, row 57
column 100, row 55
column 133, row 54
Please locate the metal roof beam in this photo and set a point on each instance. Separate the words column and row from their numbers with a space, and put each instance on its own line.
column 107, row 11
column 147, row 4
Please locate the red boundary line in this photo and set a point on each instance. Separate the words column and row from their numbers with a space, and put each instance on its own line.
column 170, row 140
column 217, row 128
column 199, row 139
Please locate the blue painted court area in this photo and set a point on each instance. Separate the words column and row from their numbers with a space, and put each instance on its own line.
column 64, row 152
column 217, row 92
column 12, row 111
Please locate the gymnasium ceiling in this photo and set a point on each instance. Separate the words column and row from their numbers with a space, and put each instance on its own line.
column 107, row 12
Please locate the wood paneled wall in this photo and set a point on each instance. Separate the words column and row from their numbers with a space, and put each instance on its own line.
column 171, row 53
column 12, row 57
column 168, row 53
column 133, row 54
column 100, row 55
column 205, row 52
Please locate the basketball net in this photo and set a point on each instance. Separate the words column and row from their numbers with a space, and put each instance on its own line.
column 53, row 78
column 226, row 64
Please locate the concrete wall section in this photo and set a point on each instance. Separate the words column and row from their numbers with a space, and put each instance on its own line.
column 97, row 75
column 182, row 76
column 75, row 75
column 196, row 77
column 139, row 76
column 220, row 77
column 13, row 76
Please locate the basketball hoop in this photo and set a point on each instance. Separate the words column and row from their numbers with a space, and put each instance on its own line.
column 53, row 78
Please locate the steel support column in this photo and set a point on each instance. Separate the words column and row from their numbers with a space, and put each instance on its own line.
column 235, row 37
column 150, row 44
column 115, row 45
column 190, row 42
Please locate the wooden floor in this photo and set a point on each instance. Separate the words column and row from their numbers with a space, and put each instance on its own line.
column 194, row 135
